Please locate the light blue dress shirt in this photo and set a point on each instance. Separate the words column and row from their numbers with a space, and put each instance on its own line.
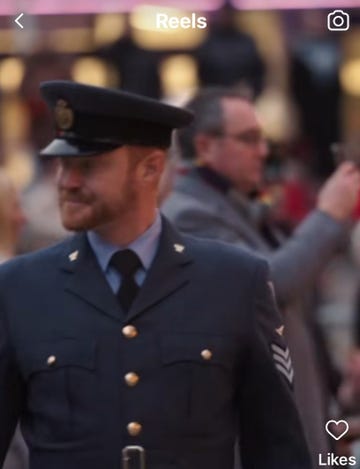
column 145, row 246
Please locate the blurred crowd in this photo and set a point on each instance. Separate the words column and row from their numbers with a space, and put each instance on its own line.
column 295, row 200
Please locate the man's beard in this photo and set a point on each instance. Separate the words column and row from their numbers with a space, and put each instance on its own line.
column 92, row 214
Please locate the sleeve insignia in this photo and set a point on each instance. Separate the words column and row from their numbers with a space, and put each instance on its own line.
column 282, row 360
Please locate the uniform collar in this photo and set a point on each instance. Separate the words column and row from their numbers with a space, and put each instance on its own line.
column 145, row 246
column 168, row 273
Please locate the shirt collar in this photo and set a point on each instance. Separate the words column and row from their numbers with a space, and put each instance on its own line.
column 145, row 246
column 213, row 178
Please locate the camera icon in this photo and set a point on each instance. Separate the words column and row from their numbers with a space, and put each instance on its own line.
column 338, row 20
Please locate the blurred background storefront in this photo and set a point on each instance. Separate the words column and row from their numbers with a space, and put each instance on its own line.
column 306, row 79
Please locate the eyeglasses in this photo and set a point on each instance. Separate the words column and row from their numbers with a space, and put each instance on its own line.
column 248, row 138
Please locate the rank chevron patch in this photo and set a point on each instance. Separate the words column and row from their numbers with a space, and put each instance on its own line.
column 283, row 361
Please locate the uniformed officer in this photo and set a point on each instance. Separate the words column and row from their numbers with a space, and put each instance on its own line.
column 129, row 334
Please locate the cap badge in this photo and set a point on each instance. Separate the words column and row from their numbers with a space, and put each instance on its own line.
column 64, row 115
column 73, row 256
column 179, row 247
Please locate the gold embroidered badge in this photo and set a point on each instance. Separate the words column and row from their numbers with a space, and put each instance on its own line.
column 64, row 115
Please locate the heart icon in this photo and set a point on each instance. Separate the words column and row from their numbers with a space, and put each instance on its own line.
column 341, row 427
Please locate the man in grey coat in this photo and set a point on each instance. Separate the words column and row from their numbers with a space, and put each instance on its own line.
column 212, row 200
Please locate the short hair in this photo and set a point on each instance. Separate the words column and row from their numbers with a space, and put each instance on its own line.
column 208, row 116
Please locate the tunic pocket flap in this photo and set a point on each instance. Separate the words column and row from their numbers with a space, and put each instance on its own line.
column 52, row 355
column 204, row 349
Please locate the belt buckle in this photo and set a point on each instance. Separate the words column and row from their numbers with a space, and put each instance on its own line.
column 126, row 456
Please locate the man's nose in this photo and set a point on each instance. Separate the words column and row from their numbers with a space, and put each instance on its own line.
column 69, row 177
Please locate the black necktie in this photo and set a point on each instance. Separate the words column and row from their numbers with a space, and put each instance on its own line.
column 126, row 262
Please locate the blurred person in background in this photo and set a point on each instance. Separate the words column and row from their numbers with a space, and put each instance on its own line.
column 12, row 221
column 215, row 199
column 39, row 201
column 315, row 58
column 42, row 65
column 224, row 41
column 40, row 204
column 132, row 63
column 12, row 218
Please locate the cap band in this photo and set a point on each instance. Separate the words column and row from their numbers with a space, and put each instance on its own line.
column 116, row 131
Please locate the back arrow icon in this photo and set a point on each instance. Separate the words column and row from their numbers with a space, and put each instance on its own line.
column 18, row 22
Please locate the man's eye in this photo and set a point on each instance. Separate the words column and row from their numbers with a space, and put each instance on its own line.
column 87, row 165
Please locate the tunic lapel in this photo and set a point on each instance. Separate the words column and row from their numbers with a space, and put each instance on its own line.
column 167, row 274
column 85, row 278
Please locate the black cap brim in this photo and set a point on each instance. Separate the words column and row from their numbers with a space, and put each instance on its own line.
column 60, row 147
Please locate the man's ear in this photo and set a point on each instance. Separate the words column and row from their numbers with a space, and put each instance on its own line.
column 152, row 165
column 203, row 144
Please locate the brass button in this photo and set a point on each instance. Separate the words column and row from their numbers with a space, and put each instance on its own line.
column 129, row 332
column 51, row 360
column 132, row 379
column 134, row 428
column 206, row 354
